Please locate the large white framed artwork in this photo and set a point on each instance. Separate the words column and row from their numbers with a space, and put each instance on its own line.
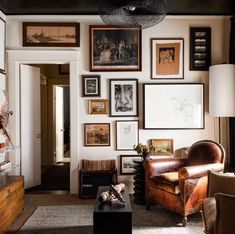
column 173, row 106
column 2, row 44
column 127, row 134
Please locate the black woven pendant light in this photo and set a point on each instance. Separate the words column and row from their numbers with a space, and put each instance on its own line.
column 133, row 13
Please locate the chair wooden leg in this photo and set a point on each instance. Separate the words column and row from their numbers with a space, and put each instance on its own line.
column 184, row 221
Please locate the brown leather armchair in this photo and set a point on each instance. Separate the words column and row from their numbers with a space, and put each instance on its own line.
column 180, row 184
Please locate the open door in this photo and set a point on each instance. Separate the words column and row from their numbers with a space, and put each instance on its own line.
column 30, row 125
column 59, row 122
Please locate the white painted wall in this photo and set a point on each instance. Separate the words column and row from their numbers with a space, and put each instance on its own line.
column 172, row 26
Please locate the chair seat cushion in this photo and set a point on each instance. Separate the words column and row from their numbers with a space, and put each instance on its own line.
column 166, row 181
column 209, row 214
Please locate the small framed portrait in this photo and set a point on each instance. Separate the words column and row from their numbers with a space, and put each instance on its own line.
column 98, row 106
column 97, row 134
column 114, row 48
column 162, row 146
column 51, row 34
column 167, row 58
column 127, row 134
column 127, row 164
column 91, row 85
column 123, row 97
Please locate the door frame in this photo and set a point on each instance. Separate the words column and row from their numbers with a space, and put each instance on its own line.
column 17, row 57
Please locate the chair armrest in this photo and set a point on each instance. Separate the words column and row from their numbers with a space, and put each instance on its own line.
column 191, row 172
column 157, row 166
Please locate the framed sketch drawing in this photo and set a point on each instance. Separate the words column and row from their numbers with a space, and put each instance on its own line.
column 167, row 58
column 97, row 134
column 58, row 34
column 91, row 85
column 127, row 134
column 127, row 164
column 123, row 97
column 173, row 106
column 2, row 44
column 114, row 48
column 98, row 106
column 162, row 146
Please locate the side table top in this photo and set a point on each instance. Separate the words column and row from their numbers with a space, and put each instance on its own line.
column 115, row 207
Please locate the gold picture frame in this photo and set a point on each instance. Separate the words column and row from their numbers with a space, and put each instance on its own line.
column 98, row 106
column 162, row 146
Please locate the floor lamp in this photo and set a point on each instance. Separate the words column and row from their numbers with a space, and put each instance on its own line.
column 222, row 91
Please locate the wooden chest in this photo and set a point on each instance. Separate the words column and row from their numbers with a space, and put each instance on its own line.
column 11, row 199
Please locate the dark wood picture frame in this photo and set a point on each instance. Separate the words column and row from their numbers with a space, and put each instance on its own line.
column 200, row 48
column 116, row 54
column 99, row 138
column 128, row 165
column 88, row 83
column 2, row 45
column 37, row 39
column 174, row 102
column 129, row 135
column 167, row 58
column 127, row 88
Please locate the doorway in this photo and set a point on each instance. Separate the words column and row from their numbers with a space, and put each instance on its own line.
column 52, row 92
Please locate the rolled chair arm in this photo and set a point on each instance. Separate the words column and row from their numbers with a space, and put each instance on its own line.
column 199, row 170
column 154, row 167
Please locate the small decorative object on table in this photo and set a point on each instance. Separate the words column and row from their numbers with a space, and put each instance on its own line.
column 144, row 150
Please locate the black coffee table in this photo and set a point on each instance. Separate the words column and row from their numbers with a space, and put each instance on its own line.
column 112, row 218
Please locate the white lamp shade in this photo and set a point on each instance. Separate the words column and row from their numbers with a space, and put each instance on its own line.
column 222, row 90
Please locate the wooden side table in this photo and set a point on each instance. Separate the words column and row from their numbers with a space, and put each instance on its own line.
column 139, row 183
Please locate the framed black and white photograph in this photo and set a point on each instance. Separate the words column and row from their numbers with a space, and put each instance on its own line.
column 123, row 97
column 114, row 48
column 174, row 106
column 2, row 44
column 127, row 134
column 127, row 164
column 91, row 85
column 167, row 58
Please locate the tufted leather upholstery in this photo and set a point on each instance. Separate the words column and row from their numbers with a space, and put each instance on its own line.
column 180, row 184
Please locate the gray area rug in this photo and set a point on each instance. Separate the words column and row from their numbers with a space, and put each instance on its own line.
column 79, row 219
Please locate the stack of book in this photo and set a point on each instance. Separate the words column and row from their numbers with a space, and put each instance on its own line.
column 5, row 166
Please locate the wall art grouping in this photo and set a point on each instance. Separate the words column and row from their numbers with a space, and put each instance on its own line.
column 115, row 48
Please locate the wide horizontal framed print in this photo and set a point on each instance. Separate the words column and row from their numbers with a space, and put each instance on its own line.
column 123, row 97
column 127, row 134
column 167, row 58
column 127, row 164
column 97, row 134
column 91, row 85
column 51, row 34
column 173, row 106
column 114, row 48
column 162, row 146
column 2, row 44
column 98, row 106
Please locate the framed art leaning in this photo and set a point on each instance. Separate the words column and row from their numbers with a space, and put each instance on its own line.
column 167, row 58
column 173, row 106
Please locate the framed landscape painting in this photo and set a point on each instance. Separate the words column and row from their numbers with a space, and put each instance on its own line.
column 115, row 48
column 51, row 34
column 127, row 134
column 162, row 146
column 174, row 106
column 167, row 58
column 98, row 106
column 123, row 97
column 91, row 85
column 97, row 134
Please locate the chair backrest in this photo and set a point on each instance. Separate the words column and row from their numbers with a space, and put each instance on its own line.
column 204, row 152
column 220, row 183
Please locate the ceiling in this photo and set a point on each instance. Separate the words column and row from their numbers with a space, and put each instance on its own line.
column 89, row 7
